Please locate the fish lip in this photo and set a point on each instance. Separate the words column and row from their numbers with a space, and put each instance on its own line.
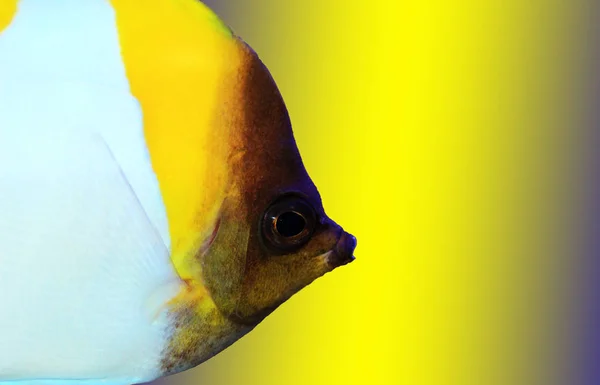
column 343, row 251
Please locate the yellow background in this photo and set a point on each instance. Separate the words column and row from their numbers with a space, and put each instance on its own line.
column 438, row 134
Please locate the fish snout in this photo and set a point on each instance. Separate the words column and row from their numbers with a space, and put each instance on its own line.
column 343, row 252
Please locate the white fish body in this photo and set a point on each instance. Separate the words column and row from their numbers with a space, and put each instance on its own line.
column 74, row 170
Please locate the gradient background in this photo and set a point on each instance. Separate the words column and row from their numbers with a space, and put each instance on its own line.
column 458, row 141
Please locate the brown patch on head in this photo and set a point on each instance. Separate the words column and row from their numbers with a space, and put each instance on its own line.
column 248, row 280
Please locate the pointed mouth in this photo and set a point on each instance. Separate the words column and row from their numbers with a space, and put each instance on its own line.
column 343, row 252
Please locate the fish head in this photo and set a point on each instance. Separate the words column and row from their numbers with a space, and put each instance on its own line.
column 273, row 237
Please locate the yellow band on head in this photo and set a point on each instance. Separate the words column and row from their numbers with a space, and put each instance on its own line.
column 178, row 58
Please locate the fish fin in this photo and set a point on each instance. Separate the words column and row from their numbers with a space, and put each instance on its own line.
column 83, row 272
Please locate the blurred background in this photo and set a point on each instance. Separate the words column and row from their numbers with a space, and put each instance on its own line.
column 458, row 141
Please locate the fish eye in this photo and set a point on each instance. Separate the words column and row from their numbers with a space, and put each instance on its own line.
column 289, row 223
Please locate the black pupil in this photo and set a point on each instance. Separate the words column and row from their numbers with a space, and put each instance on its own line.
column 290, row 224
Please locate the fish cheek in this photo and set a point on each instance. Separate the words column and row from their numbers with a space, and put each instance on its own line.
column 271, row 283
column 271, row 279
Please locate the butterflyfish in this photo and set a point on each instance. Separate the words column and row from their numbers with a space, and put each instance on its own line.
column 154, row 206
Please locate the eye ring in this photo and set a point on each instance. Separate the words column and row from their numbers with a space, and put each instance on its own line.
column 289, row 223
